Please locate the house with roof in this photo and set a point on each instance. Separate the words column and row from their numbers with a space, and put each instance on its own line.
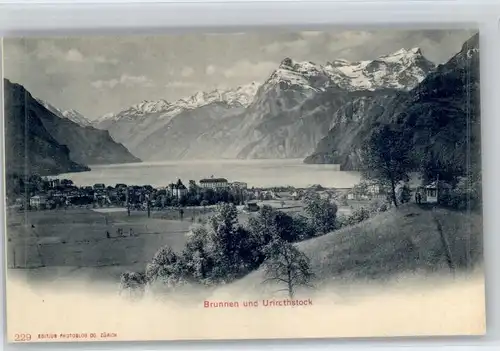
column 38, row 201
column 53, row 183
column 214, row 183
column 177, row 190
column 434, row 191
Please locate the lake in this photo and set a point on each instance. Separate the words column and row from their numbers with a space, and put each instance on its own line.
column 256, row 173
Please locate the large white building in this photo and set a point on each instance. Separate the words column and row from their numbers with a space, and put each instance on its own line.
column 214, row 183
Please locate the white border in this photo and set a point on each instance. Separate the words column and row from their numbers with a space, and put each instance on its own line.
column 66, row 17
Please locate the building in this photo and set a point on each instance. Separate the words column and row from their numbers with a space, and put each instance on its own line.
column 434, row 191
column 239, row 185
column 252, row 206
column 177, row 190
column 38, row 201
column 53, row 183
column 374, row 189
column 214, row 183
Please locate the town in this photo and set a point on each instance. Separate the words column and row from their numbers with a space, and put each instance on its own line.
column 37, row 193
column 42, row 193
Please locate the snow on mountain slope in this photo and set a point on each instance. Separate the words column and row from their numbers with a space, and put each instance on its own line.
column 135, row 125
column 240, row 97
column 403, row 69
column 286, row 116
column 72, row 115
column 292, row 108
column 307, row 75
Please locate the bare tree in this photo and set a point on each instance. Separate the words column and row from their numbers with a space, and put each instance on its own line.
column 285, row 264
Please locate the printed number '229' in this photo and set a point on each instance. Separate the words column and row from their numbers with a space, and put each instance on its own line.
column 22, row 337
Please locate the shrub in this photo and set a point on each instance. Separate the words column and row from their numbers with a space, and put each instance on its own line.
column 404, row 194
column 378, row 205
column 358, row 215
column 343, row 200
column 342, row 221
column 133, row 283
column 465, row 195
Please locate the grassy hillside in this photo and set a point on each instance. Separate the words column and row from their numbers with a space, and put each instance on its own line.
column 402, row 240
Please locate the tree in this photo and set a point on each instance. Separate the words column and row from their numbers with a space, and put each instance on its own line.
column 322, row 212
column 195, row 255
column 270, row 223
column 192, row 187
column 360, row 189
column 183, row 200
column 404, row 194
column 204, row 203
column 386, row 157
column 221, row 250
column 166, row 267
column 285, row 264
column 209, row 195
column 133, row 283
column 148, row 206
column 222, row 237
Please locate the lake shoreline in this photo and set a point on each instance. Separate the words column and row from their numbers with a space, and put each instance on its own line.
column 261, row 173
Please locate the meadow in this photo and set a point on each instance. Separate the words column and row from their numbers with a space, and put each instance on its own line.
column 70, row 245
column 50, row 245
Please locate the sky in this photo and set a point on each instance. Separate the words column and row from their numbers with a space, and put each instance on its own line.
column 98, row 75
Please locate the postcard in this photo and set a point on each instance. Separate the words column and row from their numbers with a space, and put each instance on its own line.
column 243, row 185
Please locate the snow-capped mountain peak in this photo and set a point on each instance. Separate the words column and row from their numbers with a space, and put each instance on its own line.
column 402, row 69
column 306, row 75
column 71, row 115
column 241, row 96
column 403, row 51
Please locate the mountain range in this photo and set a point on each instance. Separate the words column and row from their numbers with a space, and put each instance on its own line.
column 40, row 139
column 321, row 113
column 72, row 115
column 441, row 116
column 284, row 117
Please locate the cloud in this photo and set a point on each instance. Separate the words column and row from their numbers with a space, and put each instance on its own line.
column 125, row 80
column 46, row 50
column 210, row 70
column 179, row 84
column 187, row 71
column 300, row 46
column 311, row 34
column 348, row 40
column 74, row 55
column 102, row 59
column 245, row 68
